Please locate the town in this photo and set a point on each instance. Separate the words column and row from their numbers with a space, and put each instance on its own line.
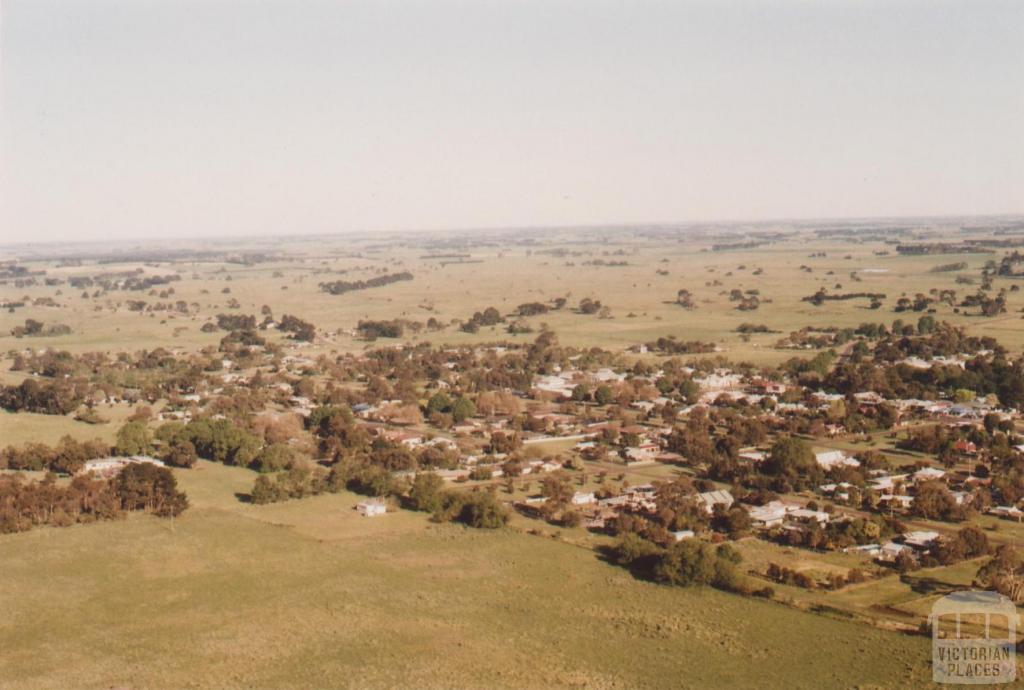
column 511, row 344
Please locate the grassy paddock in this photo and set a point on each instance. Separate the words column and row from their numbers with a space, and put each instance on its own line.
column 308, row 594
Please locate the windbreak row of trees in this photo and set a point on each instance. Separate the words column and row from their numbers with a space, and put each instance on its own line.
column 139, row 487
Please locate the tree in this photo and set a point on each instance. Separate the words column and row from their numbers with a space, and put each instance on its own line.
column 133, row 439
column 557, row 488
column 689, row 390
column 1004, row 573
column 933, row 500
column 974, row 541
column 264, row 491
column 604, row 395
column 482, row 510
column 181, row 453
column 501, row 442
column 631, row 548
column 145, row 486
column 426, row 491
column 273, row 458
column 462, row 409
column 791, row 459
column 476, row 509
column 693, row 562
column 439, row 402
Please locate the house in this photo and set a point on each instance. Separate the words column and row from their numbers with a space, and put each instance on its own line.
column 886, row 482
column 834, row 458
column 805, row 516
column 371, row 508
column 710, row 499
column 406, row 438
column 561, row 385
column 896, row 501
column 581, row 498
column 1007, row 512
column 753, row 455
column 682, row 534
column 928, row 474
column 920, row 540
column 891, row 550
column 109, row 467
column 639, row 454
column 769, row 515
column 765, row 387
column 965, row 447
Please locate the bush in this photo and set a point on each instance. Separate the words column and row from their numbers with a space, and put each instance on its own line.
column 476, row 509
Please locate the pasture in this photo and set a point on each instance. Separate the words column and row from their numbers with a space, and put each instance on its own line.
column 640, row 294
column 308, row 594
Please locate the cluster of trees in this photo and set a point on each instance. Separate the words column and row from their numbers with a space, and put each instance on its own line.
column 236, row 322
column 839, row 534
column 1004, row 573
column 488, row 317
column 371, row 330
column 36, row 328
column 67, row 457
column 589, row 306
column 219, row 440
column 442, row 408
column 300, row 330
column 138, row 487
column 821, row 296
column 941, row 248
column 671, row 346
column 478, row 508
column 426, row 492
column 988, row 371
column 754, row 328
column 690, row 562
column 42, row 397
column 532, row 309
column 986, row 304
column 949, row 268
column 796, row 578
column 340, row 287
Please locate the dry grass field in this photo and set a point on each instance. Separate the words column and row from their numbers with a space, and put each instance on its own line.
column 505, row 275
column 308, row 594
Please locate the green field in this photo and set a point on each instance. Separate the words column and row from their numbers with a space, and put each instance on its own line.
column 309, row 594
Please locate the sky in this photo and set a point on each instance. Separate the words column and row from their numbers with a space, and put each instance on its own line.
column 142, row 119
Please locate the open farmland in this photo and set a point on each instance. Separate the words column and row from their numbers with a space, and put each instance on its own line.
column 641, row 294
column 272, row 578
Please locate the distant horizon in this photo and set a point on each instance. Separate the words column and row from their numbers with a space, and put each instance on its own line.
column 682, row 224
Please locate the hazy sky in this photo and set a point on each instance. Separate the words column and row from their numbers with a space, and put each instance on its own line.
column 152, row 119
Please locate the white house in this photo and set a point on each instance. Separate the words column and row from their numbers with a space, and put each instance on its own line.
column 834, row 458
column 927, row 474
column 710, row 499
column 108, row 467
column 920, row 539
column 769, row 515
column 1008, row 512
column 371, row 508
column 808, row 516
column 583, row 498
